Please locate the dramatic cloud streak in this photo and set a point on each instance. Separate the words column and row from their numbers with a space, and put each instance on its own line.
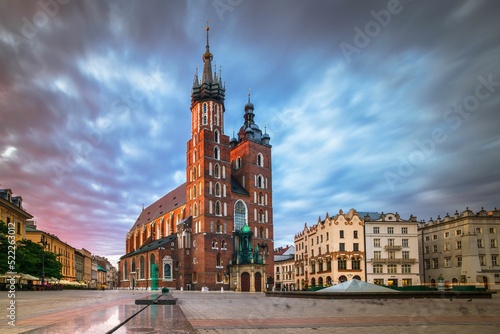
column 376, row 105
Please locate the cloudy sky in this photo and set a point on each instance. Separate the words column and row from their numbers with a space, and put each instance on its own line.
column 374, row 105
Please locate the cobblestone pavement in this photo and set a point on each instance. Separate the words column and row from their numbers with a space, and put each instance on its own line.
column 38, row 309
column 243, row 313
column 246, row 313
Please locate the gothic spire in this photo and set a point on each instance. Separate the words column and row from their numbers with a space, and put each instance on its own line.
column 207, row 62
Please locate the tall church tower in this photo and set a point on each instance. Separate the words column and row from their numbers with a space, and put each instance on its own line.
column 208, row 180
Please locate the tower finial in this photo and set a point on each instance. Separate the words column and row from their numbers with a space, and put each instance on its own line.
column 249, row 89
column 207, row 29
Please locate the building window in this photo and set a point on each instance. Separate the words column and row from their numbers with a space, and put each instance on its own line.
column 391, row 255
column 390, row 242
column 377, row 255
column 459, row 261
column 405, row 243
column 406, row 268
column 392, row 268
column 342, row 264
column 376, row 242
column 217, row 171
column 216, row 136
column 378, row 268
column 142, row 267
column 493, row 243
column 494, row 260
column 218, row 260
column 376, row 230
column 479, row 230
column 217, row 189
column 204, row 114
column 434, row 237
column 435, row 263
column 355, row 247
column 404, row 230
column 238, row 163
column 214, row 244
column 356, row 264
column 458, row 232
column 446, row 234
column 342, row 247
column 406, row 281
column 480, row 243
column 447, row 262
column 482, row 260
column 446, row 246
column 260, row 160
column 260, row 181
column 216, row 153
column 458, row 244
column 378, row 281
column 427, row 264
column 406, row 255
column 493, row 230
column 327, row 236
column 240, row 213
column 217, row 209
column 355, row 234
column 427, row 238
column 341, row 234
column 390, row 230
column 434, row 248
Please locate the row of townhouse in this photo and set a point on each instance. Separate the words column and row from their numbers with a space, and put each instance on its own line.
column 387, row 250
column 77, row 264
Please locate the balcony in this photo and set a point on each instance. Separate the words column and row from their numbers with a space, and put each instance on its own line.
column 392, row 247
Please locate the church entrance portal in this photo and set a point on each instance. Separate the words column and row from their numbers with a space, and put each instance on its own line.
column 245, row 282
column 258, row 282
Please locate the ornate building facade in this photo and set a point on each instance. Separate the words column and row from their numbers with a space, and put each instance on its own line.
column 331, row 251
column 216, row 229
column 462, row 249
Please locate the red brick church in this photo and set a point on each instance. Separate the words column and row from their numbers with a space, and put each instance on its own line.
column 216, row 229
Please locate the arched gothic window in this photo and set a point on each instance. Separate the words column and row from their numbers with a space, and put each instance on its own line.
column 216, row 115
column 216, row 153
column 216, row 136
column 238, row 163
column 142, row 265
column 240, row 215
column 218, row 208
column 260, row 181
column 260, row 160
column 217, row 189
column 217, row 171
column 219, row 260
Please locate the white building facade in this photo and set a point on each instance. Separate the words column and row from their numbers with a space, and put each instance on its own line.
column 462, row 249
column 392, row 256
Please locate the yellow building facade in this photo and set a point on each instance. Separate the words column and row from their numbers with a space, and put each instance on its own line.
column 13, row 214
column 65, row 252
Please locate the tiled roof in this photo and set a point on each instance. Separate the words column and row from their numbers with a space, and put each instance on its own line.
column 167, row 203
column 152, row 245
column 237, row 188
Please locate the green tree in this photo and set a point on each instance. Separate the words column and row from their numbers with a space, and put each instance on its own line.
column 4, row 247
column 29, row 260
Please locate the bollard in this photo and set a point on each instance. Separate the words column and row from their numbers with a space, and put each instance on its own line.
column 182, row 289
column 222, row 289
